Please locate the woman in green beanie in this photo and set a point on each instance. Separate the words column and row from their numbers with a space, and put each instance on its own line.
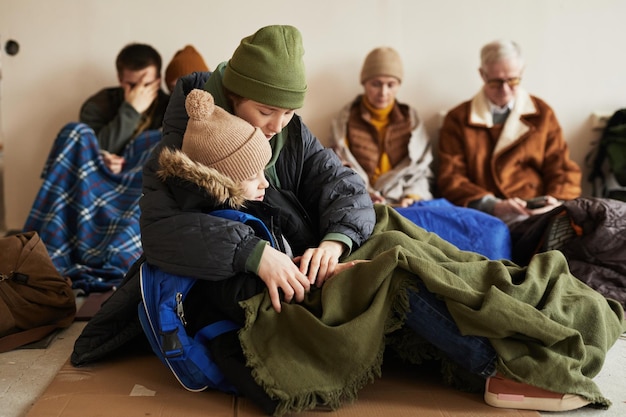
column 326, row 205
column 263, row 83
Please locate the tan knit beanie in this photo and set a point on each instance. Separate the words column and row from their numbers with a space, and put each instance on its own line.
column 185, row 61
column 222, row 141
column 382, row 61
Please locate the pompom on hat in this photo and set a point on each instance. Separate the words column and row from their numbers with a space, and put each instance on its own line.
column 382, row 61
column 222, row 141
column 268, row 67
column 185, row 61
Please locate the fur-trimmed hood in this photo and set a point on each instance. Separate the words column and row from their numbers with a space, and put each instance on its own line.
column 185, row 175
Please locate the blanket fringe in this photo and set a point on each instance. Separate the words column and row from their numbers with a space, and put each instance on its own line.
column 333, row 399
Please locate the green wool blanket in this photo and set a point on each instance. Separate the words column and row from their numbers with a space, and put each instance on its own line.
column 548, row 328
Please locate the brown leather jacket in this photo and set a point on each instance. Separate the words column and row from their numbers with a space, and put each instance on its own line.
column 528, row 159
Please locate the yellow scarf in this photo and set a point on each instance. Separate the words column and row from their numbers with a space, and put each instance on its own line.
column 380, row 121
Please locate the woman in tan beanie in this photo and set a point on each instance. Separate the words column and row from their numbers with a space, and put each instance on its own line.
column 382, row 139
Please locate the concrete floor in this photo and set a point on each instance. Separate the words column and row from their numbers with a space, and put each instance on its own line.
column 25, row 374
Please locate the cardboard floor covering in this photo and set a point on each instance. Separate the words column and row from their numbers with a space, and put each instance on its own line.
column 141, row 386
column 91, row 304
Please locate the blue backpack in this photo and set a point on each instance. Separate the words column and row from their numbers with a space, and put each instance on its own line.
column 162, row 318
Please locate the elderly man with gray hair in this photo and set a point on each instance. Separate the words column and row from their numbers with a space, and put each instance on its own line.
column 503, row 151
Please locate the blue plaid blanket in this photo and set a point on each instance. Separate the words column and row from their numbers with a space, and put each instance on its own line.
column 87, row 216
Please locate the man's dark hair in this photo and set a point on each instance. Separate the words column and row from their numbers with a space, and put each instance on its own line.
column 137, row 56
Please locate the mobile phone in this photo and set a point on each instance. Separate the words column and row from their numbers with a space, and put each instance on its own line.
column 537, row 202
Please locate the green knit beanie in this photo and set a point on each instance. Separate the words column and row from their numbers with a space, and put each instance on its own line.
column 268, row 67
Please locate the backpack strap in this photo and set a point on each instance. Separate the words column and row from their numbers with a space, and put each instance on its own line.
column 209, row 367
column 215, row 329
column 25, row 337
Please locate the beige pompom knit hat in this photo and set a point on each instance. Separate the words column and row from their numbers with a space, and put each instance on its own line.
column 222, row 141
column 382, row 61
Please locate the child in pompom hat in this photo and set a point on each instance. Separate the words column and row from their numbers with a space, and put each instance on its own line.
column 221, row 166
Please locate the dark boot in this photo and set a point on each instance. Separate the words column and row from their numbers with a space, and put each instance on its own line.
column 228, row 355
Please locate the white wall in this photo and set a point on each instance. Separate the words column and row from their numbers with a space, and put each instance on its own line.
column 573, row 50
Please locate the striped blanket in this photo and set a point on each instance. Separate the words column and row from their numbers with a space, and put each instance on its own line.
column 87, row 216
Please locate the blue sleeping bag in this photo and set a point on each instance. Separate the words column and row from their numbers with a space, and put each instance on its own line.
column 466, row 228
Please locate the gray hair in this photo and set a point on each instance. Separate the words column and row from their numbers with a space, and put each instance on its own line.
column 498, row 50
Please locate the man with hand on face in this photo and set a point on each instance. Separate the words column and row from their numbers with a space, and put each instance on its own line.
column 118, row 114
column 503, row 150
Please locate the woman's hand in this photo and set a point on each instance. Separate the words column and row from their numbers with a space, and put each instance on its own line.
column 377, row 198
column 320, row 263
column 279, row 272
column 347, row 265
column 406, row 202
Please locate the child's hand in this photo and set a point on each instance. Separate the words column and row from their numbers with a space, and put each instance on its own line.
column 278, row 271
column 319, row 263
